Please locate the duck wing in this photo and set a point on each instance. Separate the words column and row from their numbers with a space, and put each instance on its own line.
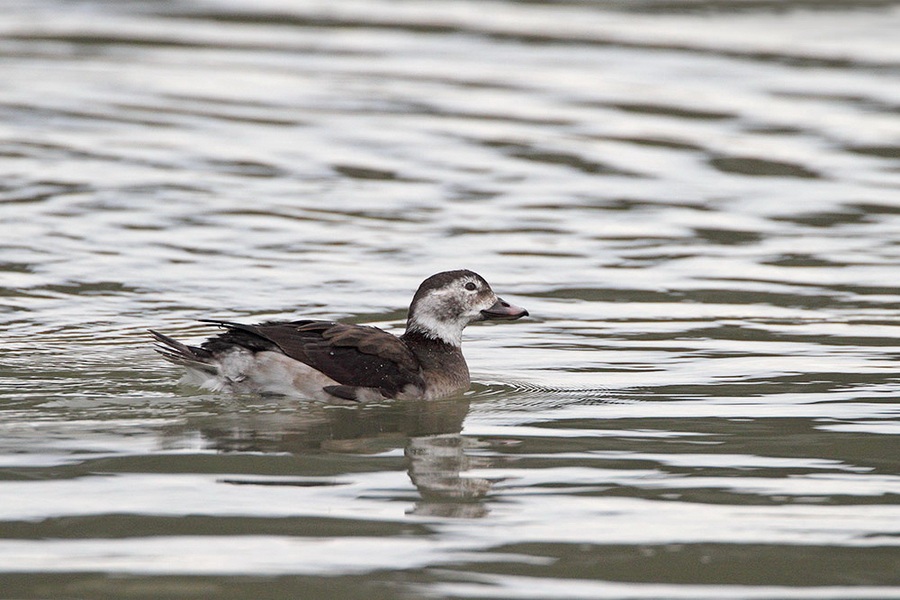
column 355, row 356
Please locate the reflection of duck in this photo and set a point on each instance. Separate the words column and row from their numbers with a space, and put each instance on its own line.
column 428, row 432
column 333, row 361
column 314, row 428
column 437, row 467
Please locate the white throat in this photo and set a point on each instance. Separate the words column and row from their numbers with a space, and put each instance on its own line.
column 449, row 332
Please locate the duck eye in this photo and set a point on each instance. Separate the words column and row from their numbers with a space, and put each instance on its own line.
column 471, row 286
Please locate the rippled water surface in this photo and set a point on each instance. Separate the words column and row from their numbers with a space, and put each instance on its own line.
column 699, row 203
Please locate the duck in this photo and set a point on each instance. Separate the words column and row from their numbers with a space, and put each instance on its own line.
column 340, row 362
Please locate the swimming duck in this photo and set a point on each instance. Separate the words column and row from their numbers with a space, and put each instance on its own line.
column 325, row 360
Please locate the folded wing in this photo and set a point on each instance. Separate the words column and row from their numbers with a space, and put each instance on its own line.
column 355, row 356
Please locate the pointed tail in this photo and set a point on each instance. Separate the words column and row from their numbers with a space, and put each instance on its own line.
column 181, row 354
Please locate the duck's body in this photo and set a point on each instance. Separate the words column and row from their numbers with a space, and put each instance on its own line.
column 325, row 360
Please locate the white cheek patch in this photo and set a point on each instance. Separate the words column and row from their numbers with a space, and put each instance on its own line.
column 437, row 327
column 485, row 302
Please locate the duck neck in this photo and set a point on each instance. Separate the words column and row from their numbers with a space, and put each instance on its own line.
column 443, row 365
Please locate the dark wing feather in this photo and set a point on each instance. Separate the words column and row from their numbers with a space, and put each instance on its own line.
column 352, row 355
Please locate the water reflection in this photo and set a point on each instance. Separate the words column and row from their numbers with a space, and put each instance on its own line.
column 437, row 456
column 437, row 467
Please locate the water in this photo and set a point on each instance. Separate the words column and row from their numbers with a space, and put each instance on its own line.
column 697, row 202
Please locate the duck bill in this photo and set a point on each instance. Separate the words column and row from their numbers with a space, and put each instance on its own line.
column 503, row 310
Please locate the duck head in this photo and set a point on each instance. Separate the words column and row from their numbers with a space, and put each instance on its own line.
column 446, row 302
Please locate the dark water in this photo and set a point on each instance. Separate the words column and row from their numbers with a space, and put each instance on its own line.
column 699, row 203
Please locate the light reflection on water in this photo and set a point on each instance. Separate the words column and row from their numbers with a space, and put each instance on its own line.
column 696, row 201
